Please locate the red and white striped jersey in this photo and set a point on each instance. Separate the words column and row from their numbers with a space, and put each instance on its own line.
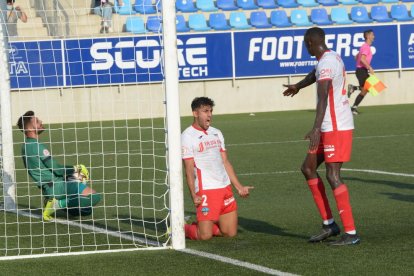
column 205, row 147
column 338, row 115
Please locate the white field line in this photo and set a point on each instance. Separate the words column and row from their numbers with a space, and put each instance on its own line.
column 343, row 169
column 235, row 262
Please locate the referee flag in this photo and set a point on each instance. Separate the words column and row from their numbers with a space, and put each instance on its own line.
column 374, row 85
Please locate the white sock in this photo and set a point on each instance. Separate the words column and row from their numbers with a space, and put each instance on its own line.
column 353, row 232
column 328, row 221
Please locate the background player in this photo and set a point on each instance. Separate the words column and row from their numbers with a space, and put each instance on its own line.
column 330, row 137
column 62, row 187
column 209, row 176
column 363, row 66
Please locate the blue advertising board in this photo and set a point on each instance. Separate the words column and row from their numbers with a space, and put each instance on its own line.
column 202, row 56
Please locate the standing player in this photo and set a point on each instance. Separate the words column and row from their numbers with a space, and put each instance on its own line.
column 62, row 187
column 363, row 66
column 209, row 176
column 330, row 137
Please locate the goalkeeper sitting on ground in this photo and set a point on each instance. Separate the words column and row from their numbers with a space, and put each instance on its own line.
column 62, row 187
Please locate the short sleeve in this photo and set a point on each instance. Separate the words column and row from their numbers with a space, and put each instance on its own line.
column 221, row 137
column 325, row 70
column 186, row 147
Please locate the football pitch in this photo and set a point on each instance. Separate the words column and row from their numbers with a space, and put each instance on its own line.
column 266, row 150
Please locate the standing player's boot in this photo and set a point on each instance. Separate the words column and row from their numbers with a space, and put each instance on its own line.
column 49, row 209
column 326, row 232
column 347, row 239
column 354, row 110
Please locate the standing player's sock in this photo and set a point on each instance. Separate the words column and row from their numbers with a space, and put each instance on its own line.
column 191, row 231
column 358, row 100
column 216, row 230
column 319, row 196
column 344, row 207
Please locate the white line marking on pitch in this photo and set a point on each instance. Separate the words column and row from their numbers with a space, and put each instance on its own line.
column 344, row 169
column 236, row 262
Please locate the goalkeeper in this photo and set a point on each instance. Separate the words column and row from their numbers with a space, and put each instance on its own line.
column 62, row 186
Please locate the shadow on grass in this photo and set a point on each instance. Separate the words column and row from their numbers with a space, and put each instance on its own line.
column 400, row 197
column 394, row 184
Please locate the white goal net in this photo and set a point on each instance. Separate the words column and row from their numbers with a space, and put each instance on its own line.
column 98, row 82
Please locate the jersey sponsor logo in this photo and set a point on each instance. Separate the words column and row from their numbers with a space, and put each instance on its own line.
column 329, row 148
column 211, row 144
column 46, row 152
column 228, row 201
column 205, row 211
column 325, row 73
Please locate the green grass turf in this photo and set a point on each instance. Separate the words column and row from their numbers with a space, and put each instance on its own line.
column 275, row 222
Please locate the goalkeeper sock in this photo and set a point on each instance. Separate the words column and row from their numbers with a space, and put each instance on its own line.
column 191, row 231
column 344, row 207
column 319, row 196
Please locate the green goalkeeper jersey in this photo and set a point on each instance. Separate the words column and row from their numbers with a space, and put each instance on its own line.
column 40, row 165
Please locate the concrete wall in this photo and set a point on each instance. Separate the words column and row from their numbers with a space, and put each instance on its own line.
column 146, row 100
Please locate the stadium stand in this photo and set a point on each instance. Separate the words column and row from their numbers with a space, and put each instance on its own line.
column 328, row 2
column 238, row 21
column 135, row 25
column 400, row 13
column 259, row 19
column 280, row 19
column 247, row 4
column 380, row 14
column 287, row 3
column 369, row 2
column 300, row 18
column 340, row 16
column 185, row 6
column 226, row 5
column 197, row 22
column 359, row 14
column 267, row 4
column 126, row 9
column 206, row 5
column 154, row 24
column 348, row 2
column 320, row 17
column 144, row 7
column 181, row 24
column 308, row 3
column 218, row 21
column 390, row 1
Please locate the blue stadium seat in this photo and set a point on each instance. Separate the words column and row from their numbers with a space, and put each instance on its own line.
column 144, row 6
column 247, row 4
column 198, row 22
column 412, row 10
column 279, row 19
column 380, row 14
column 154, row 24
column 238, row 21
column 181, row 25
column 218, row 21
column 340, row 16
column 320, row 17
column 369, row 1
column 135, row 25
column 389, row 1
column 328, row 2
column 348, row 2
column 359, row 14
column 185, row 6
column 158, row 5
column 400, row 13
column 126, row 9
column 405, row 1
column 268, row 4
column 287, row 3
column 259, row 19
column 226, row 5
column 206, row 5
column 300, row 18
column 307, row 3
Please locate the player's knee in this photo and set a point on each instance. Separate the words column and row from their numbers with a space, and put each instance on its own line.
column 205, row 236
column 306, row 170
column 95, row 198
column 230, row 234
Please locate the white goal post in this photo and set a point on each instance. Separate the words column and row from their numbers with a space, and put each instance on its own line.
column 107, row 100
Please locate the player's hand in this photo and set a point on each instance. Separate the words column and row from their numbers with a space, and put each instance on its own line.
column 197, row 200
column 82, row 171
column 291, row 90
column 244, row 191
column 371, row 71
column 314, row 137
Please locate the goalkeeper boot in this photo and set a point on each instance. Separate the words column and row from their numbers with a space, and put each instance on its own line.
column 347, row 239
column 49, row 209
column 326, row 232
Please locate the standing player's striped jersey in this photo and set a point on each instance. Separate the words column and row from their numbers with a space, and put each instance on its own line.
column 338, row 115
column 205, row 147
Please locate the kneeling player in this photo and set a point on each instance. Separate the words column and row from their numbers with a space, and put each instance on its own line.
column 209, row 176
column 62, row 187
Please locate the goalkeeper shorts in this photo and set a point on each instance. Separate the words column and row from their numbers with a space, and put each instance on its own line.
column 215, row 203
column 63, row 189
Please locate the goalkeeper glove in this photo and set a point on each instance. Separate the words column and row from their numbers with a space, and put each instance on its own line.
column 82, row 171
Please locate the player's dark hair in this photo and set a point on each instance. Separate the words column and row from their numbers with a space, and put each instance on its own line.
column 200, row 101
column 367, row 32
column 315, row 33
column 25, row 119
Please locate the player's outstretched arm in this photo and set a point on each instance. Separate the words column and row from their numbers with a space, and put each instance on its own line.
column 243, row 191
column 189, row 173
column 293, row 89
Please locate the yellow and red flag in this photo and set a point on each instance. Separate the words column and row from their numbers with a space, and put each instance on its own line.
column 374, row 85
